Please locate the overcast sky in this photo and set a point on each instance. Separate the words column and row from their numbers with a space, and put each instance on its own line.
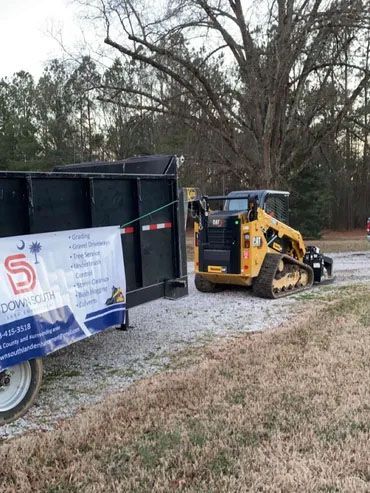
column 25, row 41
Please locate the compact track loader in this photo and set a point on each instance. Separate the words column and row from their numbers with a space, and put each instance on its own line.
column 249, row 243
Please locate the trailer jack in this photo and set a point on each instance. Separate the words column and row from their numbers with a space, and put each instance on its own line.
column 174, row 288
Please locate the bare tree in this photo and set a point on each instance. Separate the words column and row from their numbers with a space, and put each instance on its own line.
column 242, row 76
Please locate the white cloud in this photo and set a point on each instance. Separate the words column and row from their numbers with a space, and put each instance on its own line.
column 25, row 39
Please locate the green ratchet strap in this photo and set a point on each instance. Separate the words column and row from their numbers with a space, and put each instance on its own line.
column 149, row 213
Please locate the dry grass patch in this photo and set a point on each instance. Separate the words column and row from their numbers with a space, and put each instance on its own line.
column 342, row 245
column 280, row 411
column 327, row 245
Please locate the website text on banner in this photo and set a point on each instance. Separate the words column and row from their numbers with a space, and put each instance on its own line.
column 58, row 288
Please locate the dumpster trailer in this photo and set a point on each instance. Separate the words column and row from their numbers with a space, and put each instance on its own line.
column 138, row 194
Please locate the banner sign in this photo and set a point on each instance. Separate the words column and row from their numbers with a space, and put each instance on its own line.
column 58, row 288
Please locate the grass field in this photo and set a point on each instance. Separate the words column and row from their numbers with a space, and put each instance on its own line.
column 341, row 245
column 331, row 242
column 284, row 410
column 342, row 241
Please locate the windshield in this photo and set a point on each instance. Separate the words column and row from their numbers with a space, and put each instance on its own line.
column 236, row 205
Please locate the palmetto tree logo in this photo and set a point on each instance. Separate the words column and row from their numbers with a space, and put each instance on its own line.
column 35, row 248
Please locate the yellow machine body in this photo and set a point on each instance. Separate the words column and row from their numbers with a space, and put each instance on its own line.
column 253, row 248
column 249, row 243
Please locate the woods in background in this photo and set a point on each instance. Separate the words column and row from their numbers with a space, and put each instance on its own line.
column 253, row 97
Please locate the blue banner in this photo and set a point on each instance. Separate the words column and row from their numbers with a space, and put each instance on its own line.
column 58, row 288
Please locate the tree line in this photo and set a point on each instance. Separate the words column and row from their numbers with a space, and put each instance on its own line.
column 268, row 97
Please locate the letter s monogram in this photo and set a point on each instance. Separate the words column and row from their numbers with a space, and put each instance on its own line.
column 17, row 265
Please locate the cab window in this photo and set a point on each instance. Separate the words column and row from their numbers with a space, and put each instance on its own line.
column 236, row 205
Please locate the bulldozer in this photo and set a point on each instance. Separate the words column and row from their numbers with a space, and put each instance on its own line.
column 248, row 242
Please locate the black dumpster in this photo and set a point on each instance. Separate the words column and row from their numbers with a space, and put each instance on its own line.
column 140, row 194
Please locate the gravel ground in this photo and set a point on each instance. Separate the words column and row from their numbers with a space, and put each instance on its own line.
column 83, row 373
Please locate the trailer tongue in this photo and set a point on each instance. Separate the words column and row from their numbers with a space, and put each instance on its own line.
column 139, row 194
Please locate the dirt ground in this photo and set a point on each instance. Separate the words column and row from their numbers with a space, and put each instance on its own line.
column 158, row 330
column 229, row 393
column 284, row 410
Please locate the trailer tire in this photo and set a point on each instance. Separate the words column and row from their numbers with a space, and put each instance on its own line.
column 19, row 397
column 202, row 284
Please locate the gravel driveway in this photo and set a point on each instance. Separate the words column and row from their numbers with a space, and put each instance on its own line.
column 83, row 373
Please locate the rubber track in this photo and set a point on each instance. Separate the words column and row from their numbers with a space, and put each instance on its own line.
column 205, row 286
column 262, row 285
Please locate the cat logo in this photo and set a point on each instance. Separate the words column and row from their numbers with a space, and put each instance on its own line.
column 217, row 222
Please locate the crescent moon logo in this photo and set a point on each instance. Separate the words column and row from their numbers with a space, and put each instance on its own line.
column 21, row 246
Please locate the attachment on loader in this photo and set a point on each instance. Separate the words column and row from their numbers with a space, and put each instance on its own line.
column 321, row 265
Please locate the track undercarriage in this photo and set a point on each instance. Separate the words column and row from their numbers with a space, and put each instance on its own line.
column 282, row 275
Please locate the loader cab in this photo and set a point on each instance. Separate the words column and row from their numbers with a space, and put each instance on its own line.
column 273, row 202
column 219, row 238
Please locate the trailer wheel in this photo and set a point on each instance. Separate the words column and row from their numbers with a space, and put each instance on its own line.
column 202, row 284
column 19, row 386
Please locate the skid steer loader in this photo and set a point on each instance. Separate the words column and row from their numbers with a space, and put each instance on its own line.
column 249, row 243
